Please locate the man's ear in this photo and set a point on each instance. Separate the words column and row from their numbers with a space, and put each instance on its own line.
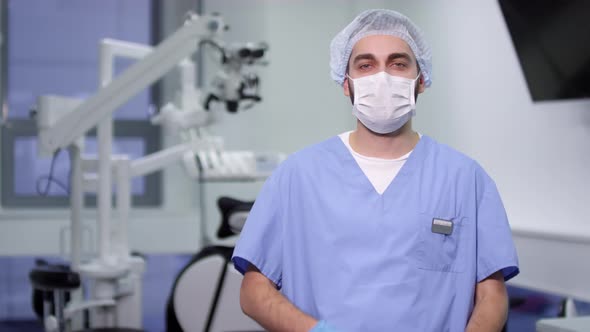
column 421, row 84
column 345, row 86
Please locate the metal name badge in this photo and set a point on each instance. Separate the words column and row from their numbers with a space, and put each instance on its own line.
column 441, row 226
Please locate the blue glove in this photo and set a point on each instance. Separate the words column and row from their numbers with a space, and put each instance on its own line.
column 322, row 326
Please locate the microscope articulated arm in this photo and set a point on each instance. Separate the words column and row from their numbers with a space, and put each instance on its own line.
column 141, row 74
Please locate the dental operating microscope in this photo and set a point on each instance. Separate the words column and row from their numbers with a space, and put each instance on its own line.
column 114, row 299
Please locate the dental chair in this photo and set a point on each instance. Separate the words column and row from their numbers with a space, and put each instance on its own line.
column 205, row 295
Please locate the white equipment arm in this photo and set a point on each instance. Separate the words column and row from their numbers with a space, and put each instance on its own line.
column 141, row 74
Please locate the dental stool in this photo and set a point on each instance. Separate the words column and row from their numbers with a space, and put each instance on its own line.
column 52, row 284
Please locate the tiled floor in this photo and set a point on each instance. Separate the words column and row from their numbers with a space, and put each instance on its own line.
column 16, row 313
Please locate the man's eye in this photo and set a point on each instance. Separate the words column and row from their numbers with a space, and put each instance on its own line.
column 399, row 64
column 365, row 66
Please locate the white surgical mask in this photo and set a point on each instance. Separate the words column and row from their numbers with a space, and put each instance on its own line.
column 383, row 102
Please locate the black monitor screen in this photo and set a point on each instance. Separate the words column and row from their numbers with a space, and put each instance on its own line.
column 552, row 40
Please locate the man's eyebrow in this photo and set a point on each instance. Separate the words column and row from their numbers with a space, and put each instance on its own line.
column 402, row 55
column 391, row 57
column 363, row 56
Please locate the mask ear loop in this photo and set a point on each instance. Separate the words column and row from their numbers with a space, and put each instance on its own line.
column 419, row 74
column 413, row 91
column 351, row 90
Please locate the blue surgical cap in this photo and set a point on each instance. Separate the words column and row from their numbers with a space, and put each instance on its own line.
column 378, row 22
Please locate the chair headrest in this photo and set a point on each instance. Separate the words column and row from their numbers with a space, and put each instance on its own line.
column 231, row 207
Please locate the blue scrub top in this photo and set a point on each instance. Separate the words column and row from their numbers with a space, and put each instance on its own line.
column 362, row 261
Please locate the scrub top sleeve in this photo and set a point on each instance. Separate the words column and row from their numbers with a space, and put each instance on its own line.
column 260, row 242
column 495, row 247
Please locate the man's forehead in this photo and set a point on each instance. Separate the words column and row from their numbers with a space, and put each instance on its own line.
column 381, row 46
